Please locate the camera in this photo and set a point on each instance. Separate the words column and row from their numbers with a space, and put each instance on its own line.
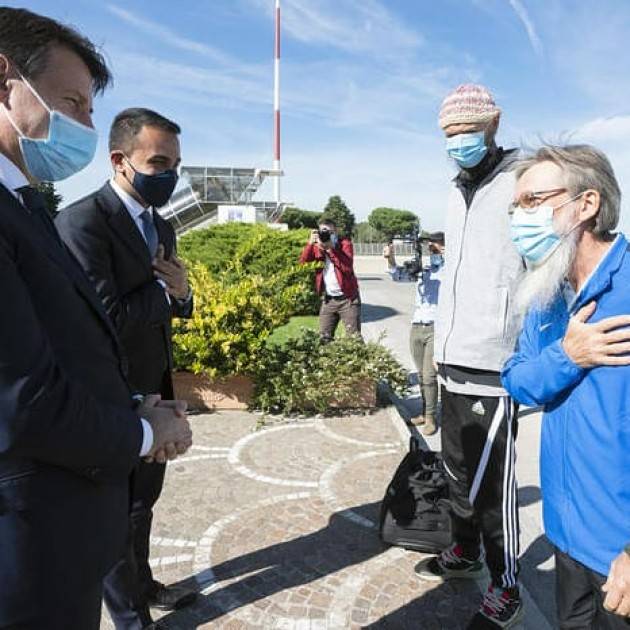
column 324, row 235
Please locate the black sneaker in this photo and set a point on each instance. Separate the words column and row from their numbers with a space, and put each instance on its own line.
column 451, row 563
column 501, row 608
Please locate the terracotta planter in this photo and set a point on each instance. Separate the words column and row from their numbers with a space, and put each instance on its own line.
column 206, row 394
column 362, row 397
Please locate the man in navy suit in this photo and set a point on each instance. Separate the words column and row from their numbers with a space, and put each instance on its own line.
column 128, row 251
column 70, row 433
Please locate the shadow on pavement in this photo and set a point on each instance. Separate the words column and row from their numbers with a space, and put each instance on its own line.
column 375, row 313
column 265, row 572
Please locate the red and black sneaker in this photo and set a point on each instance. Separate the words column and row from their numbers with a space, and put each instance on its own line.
column 501, row 608
column 451, row 563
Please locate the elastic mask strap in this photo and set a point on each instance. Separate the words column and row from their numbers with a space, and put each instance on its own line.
column 35, row 94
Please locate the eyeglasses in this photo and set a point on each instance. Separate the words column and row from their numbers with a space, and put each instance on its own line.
column 530, row 200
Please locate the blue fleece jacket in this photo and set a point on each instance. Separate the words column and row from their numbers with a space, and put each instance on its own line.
column 585, row 443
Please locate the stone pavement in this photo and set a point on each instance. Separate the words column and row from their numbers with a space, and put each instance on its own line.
column 276, row 524
column 277, row 527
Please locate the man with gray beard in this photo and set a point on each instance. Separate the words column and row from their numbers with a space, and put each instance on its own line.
column 573, row 357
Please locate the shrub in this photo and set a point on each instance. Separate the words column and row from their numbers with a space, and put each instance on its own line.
column 235, row 251
column 231, row 321
column 305, row 375
column 215, row 247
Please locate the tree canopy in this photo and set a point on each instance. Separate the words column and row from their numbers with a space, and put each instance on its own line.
column 394, row 222
column 338, row 211
column 296, row 218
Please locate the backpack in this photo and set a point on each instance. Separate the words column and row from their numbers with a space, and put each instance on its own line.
column 415, row 509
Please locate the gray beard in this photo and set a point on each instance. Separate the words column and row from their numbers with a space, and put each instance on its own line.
column 542, row 283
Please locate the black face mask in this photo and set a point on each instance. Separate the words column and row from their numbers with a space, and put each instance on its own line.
column 157, row 189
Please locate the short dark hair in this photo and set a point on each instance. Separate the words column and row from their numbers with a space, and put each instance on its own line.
column 327, row 221
column 26, row 39
column 436, row 237
column 129, row 123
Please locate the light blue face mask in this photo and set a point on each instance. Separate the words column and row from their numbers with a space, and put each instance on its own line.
column 69, row 147
column 533, row 233
column 467, row 149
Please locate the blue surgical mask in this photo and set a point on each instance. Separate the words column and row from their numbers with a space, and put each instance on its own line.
column 68, row 149
column 157, row 189
column 467, row 149
column 533, row 233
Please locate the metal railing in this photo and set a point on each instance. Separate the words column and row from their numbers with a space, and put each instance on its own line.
column 376, row 249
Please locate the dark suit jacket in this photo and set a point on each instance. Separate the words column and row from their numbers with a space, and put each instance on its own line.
column 102, row 235
column 68, row 434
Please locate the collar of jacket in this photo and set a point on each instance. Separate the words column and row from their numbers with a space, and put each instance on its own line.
column 602, row 277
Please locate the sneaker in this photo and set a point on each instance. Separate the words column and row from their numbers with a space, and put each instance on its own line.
column 501, row 608
column 451, row 563
column 429, row 427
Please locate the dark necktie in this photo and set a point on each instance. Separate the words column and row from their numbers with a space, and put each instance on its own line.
column 150, row 232
column 35, row 203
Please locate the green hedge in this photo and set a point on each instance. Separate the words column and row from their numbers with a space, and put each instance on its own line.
column 236, row 251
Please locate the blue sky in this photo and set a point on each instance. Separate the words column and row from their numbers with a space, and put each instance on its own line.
column 362, row 83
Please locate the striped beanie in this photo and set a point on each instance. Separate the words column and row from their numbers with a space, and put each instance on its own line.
column 468, row 103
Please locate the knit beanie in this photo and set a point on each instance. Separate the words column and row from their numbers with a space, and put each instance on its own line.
column 468, row 103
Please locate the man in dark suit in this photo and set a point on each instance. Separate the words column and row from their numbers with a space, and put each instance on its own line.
column 128, row 251
column 69, row 431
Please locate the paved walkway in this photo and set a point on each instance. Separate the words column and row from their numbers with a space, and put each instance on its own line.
column 276, row 524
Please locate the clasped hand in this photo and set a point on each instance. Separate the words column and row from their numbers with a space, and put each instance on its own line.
column 172, row 435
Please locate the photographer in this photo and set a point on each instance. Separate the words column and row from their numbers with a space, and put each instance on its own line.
column 335, row 282
column 429, row 272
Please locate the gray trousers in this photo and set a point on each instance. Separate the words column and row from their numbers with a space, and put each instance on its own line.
column 421, row 346
column 331, row 311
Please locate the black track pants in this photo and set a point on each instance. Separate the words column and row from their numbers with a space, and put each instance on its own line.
column 478, row 438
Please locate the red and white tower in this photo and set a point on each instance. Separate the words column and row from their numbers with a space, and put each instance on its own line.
column 276, row 108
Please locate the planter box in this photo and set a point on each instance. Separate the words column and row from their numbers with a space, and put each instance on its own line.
column 206, row 394
column 362, row 397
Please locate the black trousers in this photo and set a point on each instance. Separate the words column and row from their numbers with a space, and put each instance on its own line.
column 130, row 583
column 478, row 439
column 579, row 598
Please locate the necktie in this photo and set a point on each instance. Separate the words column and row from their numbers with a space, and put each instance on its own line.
column 35, row 203
column 150, row 232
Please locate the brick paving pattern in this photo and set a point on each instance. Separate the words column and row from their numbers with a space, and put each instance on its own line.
column 276, row 527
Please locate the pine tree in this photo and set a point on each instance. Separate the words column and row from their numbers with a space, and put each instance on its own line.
column 337, row 211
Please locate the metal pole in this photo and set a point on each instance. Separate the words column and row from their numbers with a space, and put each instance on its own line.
column 276, row 107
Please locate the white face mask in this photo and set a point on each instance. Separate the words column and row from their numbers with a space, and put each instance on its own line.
column 69, row 147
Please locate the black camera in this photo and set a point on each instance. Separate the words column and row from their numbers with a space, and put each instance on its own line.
column 324, row 235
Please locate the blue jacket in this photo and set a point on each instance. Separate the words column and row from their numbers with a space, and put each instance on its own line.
column 585, row 443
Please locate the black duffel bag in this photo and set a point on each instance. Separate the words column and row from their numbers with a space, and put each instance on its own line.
column 415, row 509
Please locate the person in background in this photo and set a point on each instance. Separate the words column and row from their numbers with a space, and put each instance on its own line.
column 335, row 282
column 573, row 357
column 128, row 251
column 474, row 335
column 421, row 335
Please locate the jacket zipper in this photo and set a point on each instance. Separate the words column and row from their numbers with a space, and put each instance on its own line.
column 459, row 262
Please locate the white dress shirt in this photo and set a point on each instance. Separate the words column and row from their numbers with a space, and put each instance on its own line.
column 12, row 178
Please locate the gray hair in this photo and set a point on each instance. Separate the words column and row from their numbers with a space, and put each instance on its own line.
column 585, row 168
